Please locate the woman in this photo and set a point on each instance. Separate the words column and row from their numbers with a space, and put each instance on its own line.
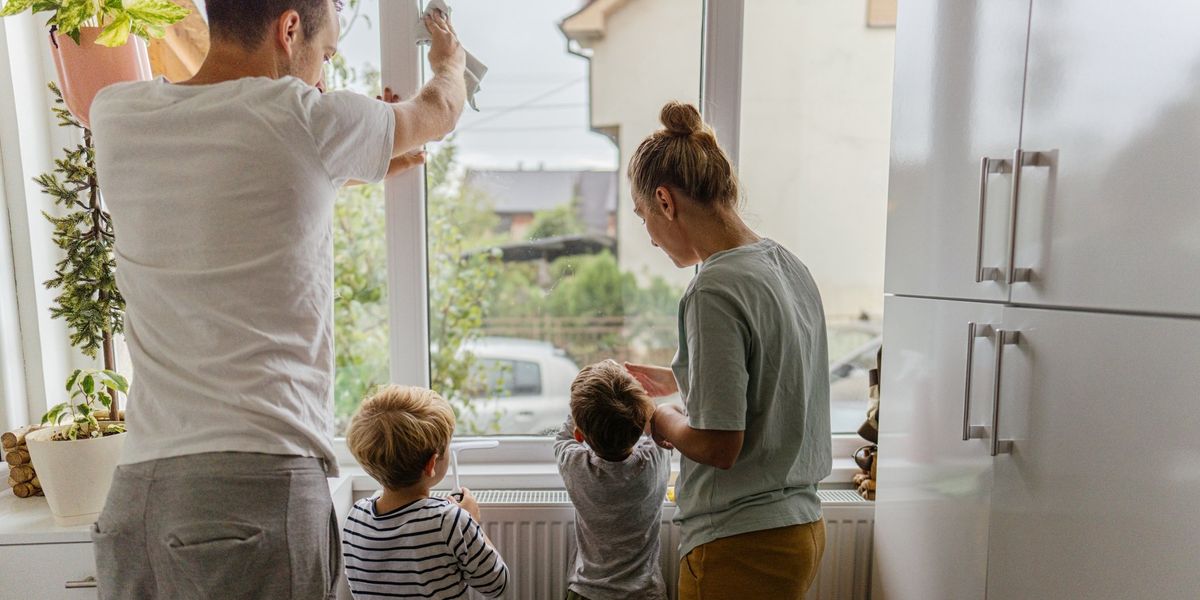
column 752, row 369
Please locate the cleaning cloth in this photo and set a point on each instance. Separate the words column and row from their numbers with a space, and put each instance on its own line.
column 475, row 68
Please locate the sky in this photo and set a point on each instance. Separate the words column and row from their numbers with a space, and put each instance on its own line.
column 533, row 101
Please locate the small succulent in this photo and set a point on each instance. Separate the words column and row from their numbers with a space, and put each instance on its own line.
column 88, row 389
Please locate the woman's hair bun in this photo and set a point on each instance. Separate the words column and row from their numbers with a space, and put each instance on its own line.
column 681, row 119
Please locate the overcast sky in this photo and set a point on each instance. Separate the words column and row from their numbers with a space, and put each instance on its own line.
column 533, row 105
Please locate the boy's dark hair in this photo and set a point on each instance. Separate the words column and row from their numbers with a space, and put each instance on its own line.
column 610, row 407
column 245, row 21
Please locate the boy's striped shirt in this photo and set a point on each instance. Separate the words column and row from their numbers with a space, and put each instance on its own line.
column 430, row 548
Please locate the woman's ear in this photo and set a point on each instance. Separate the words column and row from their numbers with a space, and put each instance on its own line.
column 431, row 466
column 666, row 202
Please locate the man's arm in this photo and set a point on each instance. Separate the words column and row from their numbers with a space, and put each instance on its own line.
column 433, row 113
column 712, row 447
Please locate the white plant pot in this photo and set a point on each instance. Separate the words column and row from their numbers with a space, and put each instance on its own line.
column 75, row 474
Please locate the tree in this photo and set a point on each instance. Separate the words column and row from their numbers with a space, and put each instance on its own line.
column 558, row 221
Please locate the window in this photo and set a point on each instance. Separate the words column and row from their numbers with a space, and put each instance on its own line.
column 813, row 160
column 537, row 265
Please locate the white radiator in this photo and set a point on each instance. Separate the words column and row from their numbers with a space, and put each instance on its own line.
column 535, row 533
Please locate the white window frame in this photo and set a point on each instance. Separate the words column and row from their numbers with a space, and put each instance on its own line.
column 522, row 461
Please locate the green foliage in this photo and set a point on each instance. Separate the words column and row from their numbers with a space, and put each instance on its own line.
column 86, row 389
column 88, row 298
column 558, row 221
column 120, row 18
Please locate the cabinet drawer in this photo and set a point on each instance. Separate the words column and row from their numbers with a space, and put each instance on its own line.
column 43, row 570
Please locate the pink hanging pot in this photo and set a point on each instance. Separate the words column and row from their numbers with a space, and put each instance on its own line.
column 87, row 67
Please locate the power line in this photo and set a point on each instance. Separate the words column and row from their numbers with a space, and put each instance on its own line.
column 523, row 104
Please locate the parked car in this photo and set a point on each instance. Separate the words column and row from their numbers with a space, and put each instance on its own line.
column 528, row 385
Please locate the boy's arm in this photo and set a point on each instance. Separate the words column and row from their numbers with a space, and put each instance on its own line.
column 565, row 441
column 482, row 567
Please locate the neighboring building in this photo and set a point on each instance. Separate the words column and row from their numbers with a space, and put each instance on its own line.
column 517, row 196
column 816, row 113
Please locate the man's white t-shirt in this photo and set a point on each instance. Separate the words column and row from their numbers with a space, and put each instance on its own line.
column 222, row 199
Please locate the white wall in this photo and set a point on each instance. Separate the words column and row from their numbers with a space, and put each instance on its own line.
column 650, row 55
column 816, row 113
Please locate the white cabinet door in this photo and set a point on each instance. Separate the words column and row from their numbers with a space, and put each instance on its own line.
column 1113, row 94
column 1098, row 498
column 959, row 72
column 48, row 571
column 932, row 501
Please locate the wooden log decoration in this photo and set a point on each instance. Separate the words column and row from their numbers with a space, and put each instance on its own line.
column 12, row 439
column 25, row 490
column 21, row 473
column 102, row 414
column 17, row 457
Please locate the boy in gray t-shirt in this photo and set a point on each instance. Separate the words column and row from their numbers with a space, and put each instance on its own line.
column 617, row 480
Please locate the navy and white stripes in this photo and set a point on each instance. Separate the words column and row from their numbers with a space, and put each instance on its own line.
column 428, row 549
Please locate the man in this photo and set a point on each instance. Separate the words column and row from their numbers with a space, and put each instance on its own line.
column 221, row 191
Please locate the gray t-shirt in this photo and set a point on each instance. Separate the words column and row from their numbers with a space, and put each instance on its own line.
column 618, row 513
column 753, row 358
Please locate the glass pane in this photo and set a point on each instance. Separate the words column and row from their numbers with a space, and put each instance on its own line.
column 816, row 114
column 536, row 260
column 359, row 235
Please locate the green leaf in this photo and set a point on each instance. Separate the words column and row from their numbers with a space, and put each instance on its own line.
column 122, row 384
column 71, row 380
column 89, row 384
column 52, row 415
column 155, row 14
column 105, row 399
column 117, row 32
column 13, row 7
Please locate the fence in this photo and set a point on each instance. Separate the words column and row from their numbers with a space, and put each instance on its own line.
column 647, row 339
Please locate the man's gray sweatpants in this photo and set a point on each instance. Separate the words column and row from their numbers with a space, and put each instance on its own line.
column 219, row 525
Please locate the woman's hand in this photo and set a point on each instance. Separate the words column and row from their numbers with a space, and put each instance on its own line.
column 657, row 381
column 673, row 409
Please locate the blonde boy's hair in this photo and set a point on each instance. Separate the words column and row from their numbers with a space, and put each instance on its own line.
column 610, row 407
column 397, row 430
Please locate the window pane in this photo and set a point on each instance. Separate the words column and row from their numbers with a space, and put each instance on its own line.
column 816, row 115
column 536, row 260
column 359, row 236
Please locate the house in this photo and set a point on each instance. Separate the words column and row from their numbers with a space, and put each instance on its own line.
column 517, row 196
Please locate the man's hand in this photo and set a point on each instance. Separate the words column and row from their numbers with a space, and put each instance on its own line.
column 657, row 381
column 445, row 52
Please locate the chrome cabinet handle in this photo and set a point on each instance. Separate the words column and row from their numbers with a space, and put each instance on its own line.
column 1003, row 338
column 974, row 331
column 87, row 582
column 1021, row 158
column 987, row 166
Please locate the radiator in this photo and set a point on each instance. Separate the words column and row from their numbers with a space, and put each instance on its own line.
column 535, row 533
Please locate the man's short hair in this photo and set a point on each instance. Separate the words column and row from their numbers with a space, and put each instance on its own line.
column 610, row 407
column 397, row 430
column 245, row 21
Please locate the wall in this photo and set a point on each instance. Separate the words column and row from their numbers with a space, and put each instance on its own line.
column 816, row 112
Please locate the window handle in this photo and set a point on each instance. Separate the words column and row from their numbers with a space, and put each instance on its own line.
column 1003, row 338
column 987, row 166
column 974, row 331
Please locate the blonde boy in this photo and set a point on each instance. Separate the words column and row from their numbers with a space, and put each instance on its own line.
column 404, row 543
column 617, row 479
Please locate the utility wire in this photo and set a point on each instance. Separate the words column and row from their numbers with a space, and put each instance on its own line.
column 521, row 105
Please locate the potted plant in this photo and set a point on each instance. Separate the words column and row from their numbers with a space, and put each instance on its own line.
column 75, row 457
column 88, row 40
column 75, row 461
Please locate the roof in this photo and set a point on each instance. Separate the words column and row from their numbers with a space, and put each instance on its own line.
column 524, row 192
column 550, row 249
column 589, row 22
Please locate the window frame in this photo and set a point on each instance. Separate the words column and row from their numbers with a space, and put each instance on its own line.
column 516, row 462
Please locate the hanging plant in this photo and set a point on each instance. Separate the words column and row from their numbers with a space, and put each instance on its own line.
column 88, row 298
column 119, row 18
